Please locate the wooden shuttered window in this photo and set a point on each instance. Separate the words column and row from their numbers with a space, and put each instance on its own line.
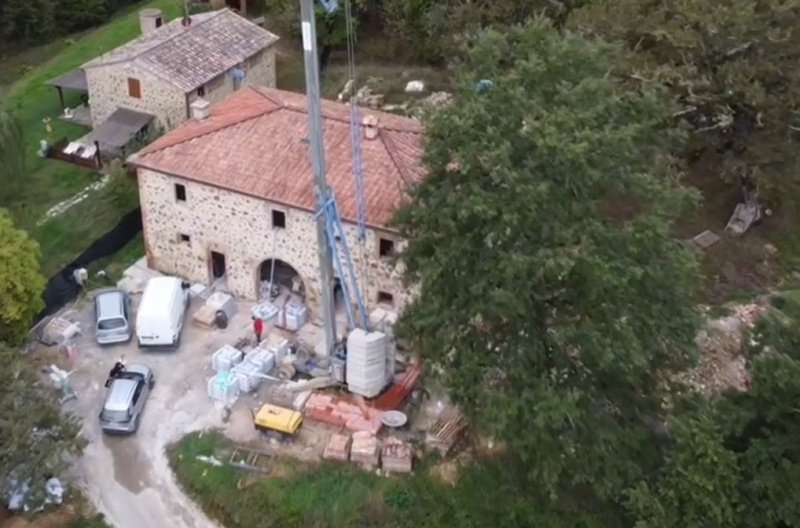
column 134, row 88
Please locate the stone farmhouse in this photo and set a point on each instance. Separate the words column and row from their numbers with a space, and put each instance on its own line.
column 232, row 190
column 153, row 80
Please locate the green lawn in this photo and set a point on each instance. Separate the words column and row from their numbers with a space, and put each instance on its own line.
column 340, row 495
column 49, row 182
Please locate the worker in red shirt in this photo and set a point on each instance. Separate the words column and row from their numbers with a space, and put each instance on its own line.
column 258, row 328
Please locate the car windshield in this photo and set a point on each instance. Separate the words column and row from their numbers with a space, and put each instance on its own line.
column 114, row 416
column 111, row 324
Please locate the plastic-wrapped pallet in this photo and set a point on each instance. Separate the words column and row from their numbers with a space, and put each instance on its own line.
column 263, row 359
column 266, row 311
column 222, row 301
column 224, row 387
column 295, row 315
column 366, row 362
column 278, row 346
column 226, row 358
column 248, row 376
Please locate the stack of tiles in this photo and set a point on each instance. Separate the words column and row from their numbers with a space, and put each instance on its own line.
column 337, row 448
column 365, row 449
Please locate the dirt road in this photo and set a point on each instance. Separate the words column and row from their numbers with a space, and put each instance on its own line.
column 128, row 479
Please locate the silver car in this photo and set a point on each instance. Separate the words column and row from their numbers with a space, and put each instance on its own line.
column 127, row 393
column 112, row 311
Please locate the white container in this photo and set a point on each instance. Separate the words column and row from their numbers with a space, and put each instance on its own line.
column 226, row 358
column 294, row 316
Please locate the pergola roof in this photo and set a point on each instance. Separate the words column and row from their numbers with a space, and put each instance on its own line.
column 119, row 128
column 74, row 80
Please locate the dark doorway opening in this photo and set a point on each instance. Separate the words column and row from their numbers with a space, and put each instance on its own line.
column 284, row 278
column 217, row 265
column 338, row 296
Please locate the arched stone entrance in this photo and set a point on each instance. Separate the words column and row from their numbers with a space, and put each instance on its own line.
column 283, row 277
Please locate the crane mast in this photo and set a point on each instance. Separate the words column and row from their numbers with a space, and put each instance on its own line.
column 324, row 249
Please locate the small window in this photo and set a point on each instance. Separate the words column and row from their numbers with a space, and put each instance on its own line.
column 159, row 22
column 134, row 88
column 386, row 247
column 385, row 298
column 180, row 192
column 278, row 219
column 201, row 92
column 185, row 238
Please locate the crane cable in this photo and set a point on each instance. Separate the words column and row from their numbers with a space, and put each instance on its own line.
column 355, row 137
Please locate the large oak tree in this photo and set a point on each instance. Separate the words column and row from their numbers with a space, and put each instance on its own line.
column 552, row 292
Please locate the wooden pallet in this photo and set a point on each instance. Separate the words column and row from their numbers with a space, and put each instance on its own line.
column 446, row 431
column 251, row 460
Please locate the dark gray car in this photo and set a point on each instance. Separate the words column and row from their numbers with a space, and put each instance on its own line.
column 124, row 403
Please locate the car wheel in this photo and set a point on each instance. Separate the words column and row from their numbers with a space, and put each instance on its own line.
column 152, row 383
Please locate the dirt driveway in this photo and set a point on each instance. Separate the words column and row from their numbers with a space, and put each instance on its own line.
column 128, row 479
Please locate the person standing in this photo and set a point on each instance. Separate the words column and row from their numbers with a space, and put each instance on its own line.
column 258, row 328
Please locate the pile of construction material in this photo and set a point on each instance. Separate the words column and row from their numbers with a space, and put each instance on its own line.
column 366, row 370
column 365, row 449
column 396, row 456
column 226, row 358
column 218, row 309
column 337, row 448
column 446, row 431
column 343, row 413
column 58, row 331
column 223, row 388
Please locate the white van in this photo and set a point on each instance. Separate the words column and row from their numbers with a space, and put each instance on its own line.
column 161, row 312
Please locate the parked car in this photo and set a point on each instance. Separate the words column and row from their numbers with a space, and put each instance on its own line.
column 125, row 399
column 112, row 315
column 161, row 312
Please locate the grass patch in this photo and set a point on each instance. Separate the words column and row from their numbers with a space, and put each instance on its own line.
column 342, row 495
column 49, row 182
column 88, row 522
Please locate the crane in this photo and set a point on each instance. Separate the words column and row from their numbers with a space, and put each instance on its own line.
column 331, row 237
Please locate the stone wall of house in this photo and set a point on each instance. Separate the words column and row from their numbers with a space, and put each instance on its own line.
column 240, row 227
column 260, row 72
column 108, row 90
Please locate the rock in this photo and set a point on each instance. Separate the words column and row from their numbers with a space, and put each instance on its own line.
column 770, row 249
column 438, row 99
column 415, row 87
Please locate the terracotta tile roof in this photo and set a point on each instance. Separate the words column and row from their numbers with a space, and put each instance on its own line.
column 255, row 143
column 190, row 56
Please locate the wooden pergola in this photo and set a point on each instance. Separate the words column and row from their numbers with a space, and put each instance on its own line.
column 74, row 80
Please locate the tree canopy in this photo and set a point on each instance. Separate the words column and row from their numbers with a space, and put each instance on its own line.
column 21, row 281
column 552, row 291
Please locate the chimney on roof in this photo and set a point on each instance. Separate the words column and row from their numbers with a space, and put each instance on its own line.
column 150, row 20
column 370, row 123
column 200, row 109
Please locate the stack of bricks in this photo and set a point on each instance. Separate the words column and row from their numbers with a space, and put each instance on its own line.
column 365, row 449
column 397, row 456
column 337, row 448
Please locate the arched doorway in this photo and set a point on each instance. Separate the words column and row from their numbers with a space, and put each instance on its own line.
column 283, row 277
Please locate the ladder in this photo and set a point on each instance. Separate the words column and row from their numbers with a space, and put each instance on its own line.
column 343, row 262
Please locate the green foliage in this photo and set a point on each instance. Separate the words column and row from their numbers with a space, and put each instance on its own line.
column 732, row 67
column 552, row 292
column 342, row 495
column 331, row 27
column 12, row 154
column 36, row 435
column 21, row 282
column 698, row 485
column 431, row 29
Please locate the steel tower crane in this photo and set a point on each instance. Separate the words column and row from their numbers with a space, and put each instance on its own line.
column 331, row 240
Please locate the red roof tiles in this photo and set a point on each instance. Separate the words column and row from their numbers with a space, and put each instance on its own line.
column 255, row 143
